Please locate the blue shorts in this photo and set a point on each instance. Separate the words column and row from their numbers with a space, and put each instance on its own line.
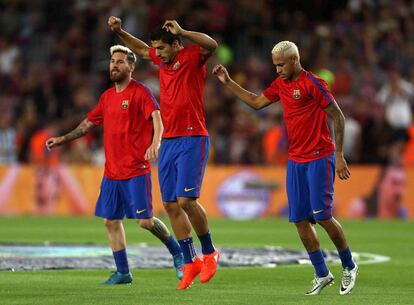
column 310, row 188
column 181, row 166
column 131, row 197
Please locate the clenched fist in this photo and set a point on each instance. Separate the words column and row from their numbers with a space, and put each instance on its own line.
column 115, row 23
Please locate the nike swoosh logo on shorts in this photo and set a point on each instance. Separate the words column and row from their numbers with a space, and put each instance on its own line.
column 188, row 189
column 317, row 211
column 141, row 211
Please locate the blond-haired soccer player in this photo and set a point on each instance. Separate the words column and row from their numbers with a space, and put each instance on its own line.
column 306, row 103
column 132, row 135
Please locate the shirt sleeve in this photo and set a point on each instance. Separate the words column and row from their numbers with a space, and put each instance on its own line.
column 96, row 114
column 195, row 53
column 320, row 92
column 154, row 57
column 272, row 92
column 149, row 103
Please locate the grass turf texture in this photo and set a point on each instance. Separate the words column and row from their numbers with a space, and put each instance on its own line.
column 386, row 283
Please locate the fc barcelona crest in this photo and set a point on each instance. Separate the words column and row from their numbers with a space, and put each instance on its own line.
column 125, row 104
column 296, row 94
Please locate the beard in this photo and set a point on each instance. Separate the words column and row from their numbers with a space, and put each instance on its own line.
column 117, row 77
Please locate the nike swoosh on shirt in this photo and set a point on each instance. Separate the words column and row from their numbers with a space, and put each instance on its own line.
column 188, row 189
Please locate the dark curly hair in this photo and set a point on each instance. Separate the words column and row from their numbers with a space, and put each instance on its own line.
column 162, row 34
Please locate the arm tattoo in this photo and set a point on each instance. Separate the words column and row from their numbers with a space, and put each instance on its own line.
column 79, row 131
column 339, row 125
column 160, row 230
column 74, row 134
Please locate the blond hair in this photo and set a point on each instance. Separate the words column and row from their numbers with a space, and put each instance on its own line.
column 288, row 48
column 119, row 48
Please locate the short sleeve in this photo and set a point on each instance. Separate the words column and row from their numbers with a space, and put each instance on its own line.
column 154, row 57
column 320, row 92
column 149, row 103
column 272, row 92
column 96, row 114
column 195, row 53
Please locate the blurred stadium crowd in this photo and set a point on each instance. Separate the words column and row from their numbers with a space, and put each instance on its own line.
column 54, row 60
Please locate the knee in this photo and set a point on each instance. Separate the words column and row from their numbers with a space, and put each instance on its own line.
column 146, row 224
column 187, row 204
column 173, row 209
column 326, row 223
column 303, row 227
column 322, row 222
column 333, row 228
column 112, row 225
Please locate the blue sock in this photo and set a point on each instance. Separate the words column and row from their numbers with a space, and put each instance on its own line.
column 121, row 261
column 187, row 247
column 318, row 263
column 206, row 243
column 346, row 259
column 173, row 246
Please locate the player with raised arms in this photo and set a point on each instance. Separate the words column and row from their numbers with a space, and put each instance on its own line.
column 185, row 146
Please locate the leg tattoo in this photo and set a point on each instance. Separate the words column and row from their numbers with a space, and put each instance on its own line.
column 160, row 230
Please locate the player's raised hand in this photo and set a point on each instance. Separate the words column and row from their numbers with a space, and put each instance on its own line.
column 173, row 27
column 115, row 23
column 152, row 152
column 342, row 169
column 53, row 142
column 222, row 74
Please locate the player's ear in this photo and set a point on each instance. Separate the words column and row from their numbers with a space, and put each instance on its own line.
column 294, row 59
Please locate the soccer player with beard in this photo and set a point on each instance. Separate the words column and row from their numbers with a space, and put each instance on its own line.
column 306, row 103
column 185, row 147
column 132, row 135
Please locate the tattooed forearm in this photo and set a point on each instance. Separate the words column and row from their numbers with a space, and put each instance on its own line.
column 339, row 125
column 74, row 134
column 160, row 230
column 79, row 131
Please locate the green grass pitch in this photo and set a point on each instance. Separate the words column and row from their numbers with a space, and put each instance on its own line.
column 386, row 283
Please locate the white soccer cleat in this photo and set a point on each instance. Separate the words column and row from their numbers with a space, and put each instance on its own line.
column 348, row 280
column 318, row 283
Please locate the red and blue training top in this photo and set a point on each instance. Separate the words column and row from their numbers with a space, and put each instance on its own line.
column 182, row 92
column 303, row 102
column 126, row 118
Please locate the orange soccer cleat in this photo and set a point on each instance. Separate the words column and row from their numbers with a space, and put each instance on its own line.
column 190, row 272
column 210, row 262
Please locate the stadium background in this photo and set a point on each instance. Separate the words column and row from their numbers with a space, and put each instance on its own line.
column 53, row 66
